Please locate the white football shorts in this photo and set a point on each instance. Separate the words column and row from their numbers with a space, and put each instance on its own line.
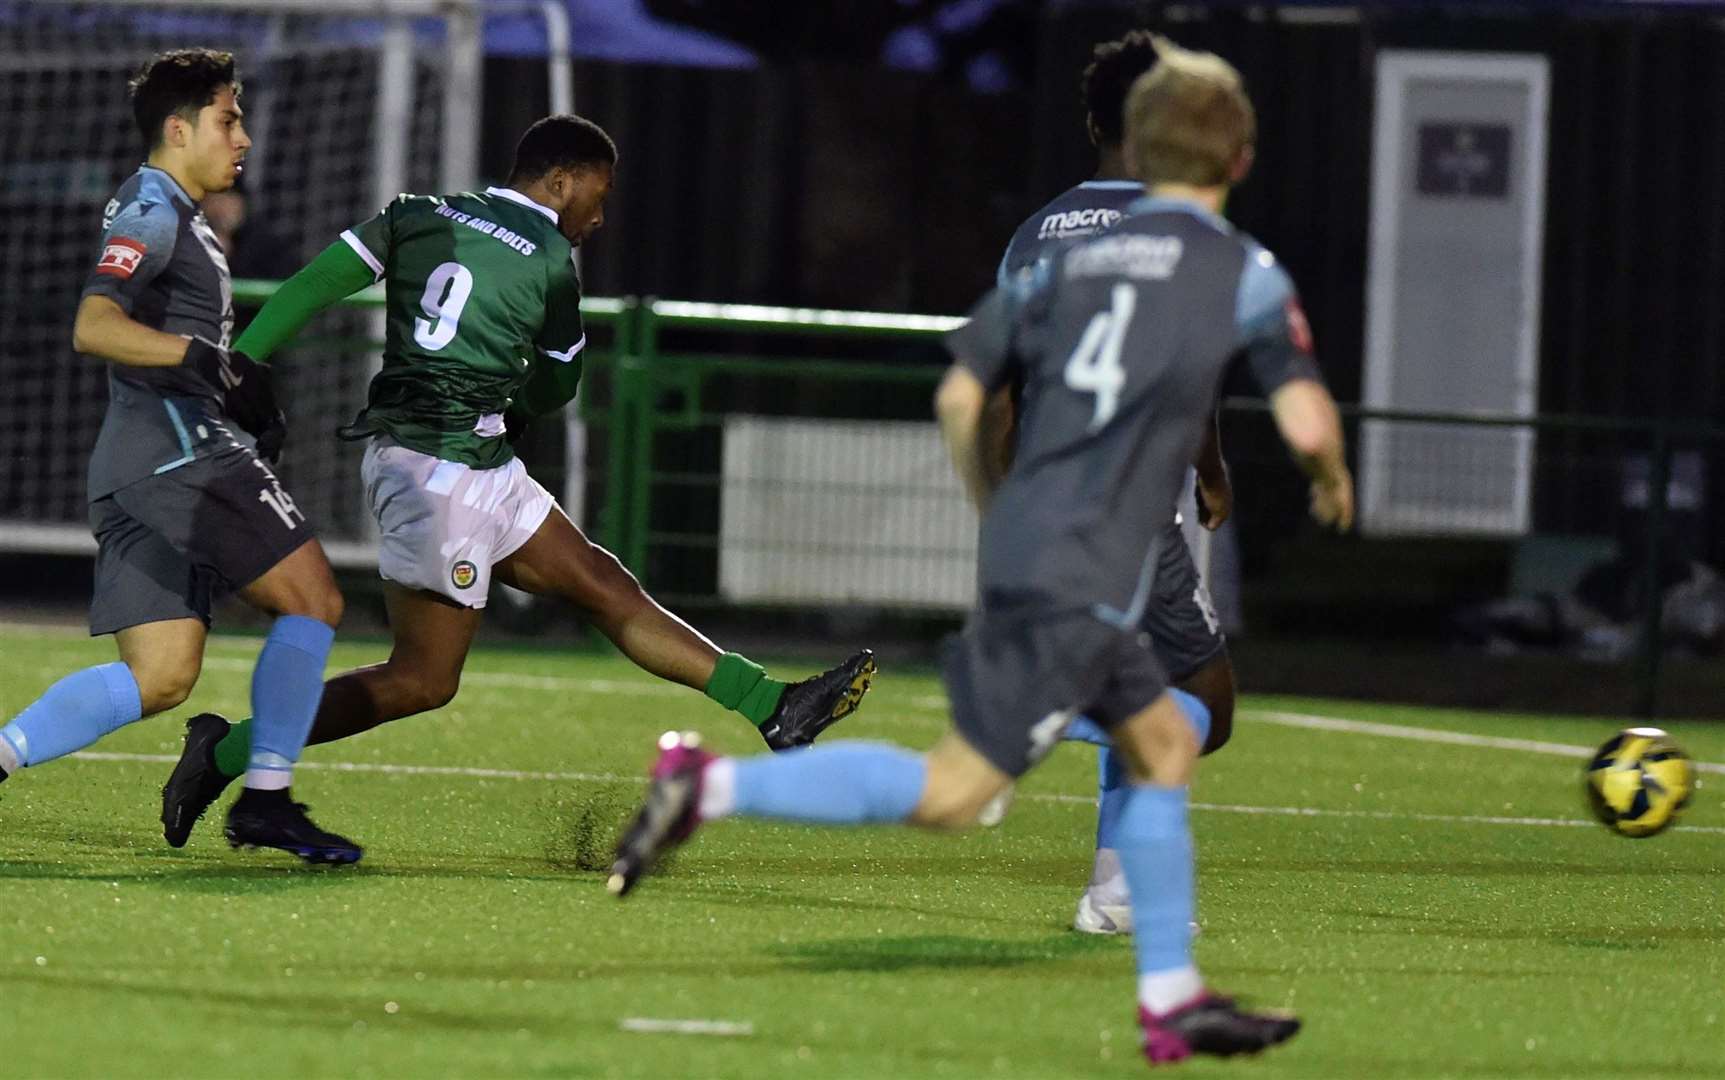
column 442, row 525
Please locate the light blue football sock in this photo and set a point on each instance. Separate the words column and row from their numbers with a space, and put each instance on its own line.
column 1111, row 780
column 75, row 712
column 838, row 783
column 287, row 685
column 1155, row 845
column 1111, row 789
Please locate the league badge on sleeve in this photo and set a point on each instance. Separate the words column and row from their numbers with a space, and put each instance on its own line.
column 120, row 258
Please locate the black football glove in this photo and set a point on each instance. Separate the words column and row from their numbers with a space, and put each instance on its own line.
column 247, row 390
column 272, row 438
column 515, row 421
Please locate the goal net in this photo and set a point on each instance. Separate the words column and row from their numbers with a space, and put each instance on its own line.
column 347, row 103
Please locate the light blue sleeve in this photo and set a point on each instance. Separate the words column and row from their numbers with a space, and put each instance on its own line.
column 136, row 247
column 1275, row 341
column 1265, row 291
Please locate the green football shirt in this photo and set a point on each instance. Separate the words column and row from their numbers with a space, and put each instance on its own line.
column 480, row 287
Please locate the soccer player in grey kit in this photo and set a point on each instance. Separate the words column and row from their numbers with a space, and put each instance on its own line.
column 1184, row 632
column 182, row 510
column 1121, row 342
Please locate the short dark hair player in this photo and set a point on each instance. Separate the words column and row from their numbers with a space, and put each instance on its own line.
column 483, row 334
column 182, row 509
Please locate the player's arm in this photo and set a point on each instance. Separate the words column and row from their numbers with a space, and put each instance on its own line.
column 1307, row 418
column 1215, row 489
column 337, row 273
column 983, row 360
column 556, row 371
column 1277, row 348
column 138, row 246
column 999, row 426
column 958, row 405
column 103, row 329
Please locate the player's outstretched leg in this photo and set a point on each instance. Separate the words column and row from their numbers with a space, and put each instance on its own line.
column 1178, row 1015
column 844, row 783
column 158, row 666
column 72, row 714
column 559, row 560
column 669, row 814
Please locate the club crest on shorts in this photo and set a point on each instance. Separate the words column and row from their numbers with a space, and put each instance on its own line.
column 464, row 574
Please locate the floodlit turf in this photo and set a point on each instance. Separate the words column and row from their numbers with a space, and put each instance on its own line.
column 476, row 940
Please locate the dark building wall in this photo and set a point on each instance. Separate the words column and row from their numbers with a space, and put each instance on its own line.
column 860, row 187
column 829, row 184
column 819, row 184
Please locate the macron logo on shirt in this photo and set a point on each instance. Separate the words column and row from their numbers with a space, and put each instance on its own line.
column 120, row 258
column 1077, row 223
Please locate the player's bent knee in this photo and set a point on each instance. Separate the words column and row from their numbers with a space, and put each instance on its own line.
column 330, row 607
column 324, row 605
column 951, row 807
column 421, row 692
column 161, row 689
column 435, row 694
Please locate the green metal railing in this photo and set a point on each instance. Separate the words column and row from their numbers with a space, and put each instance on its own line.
column 643, row 390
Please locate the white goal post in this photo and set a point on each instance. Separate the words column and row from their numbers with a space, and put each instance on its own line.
column 348, row 103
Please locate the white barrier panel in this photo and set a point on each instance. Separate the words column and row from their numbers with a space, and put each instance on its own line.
column 1458, row 220
column 840, row 512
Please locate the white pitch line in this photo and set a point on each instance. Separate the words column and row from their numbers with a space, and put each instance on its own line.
column 1435, row 735
column 394, row 770
column 1446, row 819
column 932, row 702
column 655, row 1026
column 1377, row 815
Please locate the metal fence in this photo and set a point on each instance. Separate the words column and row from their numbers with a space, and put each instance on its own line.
column 768, row 460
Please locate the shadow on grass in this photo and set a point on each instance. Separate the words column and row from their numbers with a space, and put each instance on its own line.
column 252, row 999
column 203, row 878
column 758, row 897
column 940, row 951
column 174, row 875
column 1537, row 1064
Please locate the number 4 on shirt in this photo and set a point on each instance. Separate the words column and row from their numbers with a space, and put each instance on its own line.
column 1094, row 367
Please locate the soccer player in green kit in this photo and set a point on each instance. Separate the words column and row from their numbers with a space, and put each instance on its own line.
column 484, row 333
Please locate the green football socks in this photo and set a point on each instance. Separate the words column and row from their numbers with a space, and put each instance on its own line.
column 235, row 749
column 740, row 684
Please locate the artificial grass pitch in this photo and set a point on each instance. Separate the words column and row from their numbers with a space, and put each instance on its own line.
column 1429, row 910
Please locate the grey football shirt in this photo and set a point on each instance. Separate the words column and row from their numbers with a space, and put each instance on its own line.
column 1121, row 341
column 161, row 263
column 1074, row 214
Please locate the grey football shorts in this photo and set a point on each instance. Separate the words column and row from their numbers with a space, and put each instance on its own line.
column 169, row 545
column 1017, row 676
